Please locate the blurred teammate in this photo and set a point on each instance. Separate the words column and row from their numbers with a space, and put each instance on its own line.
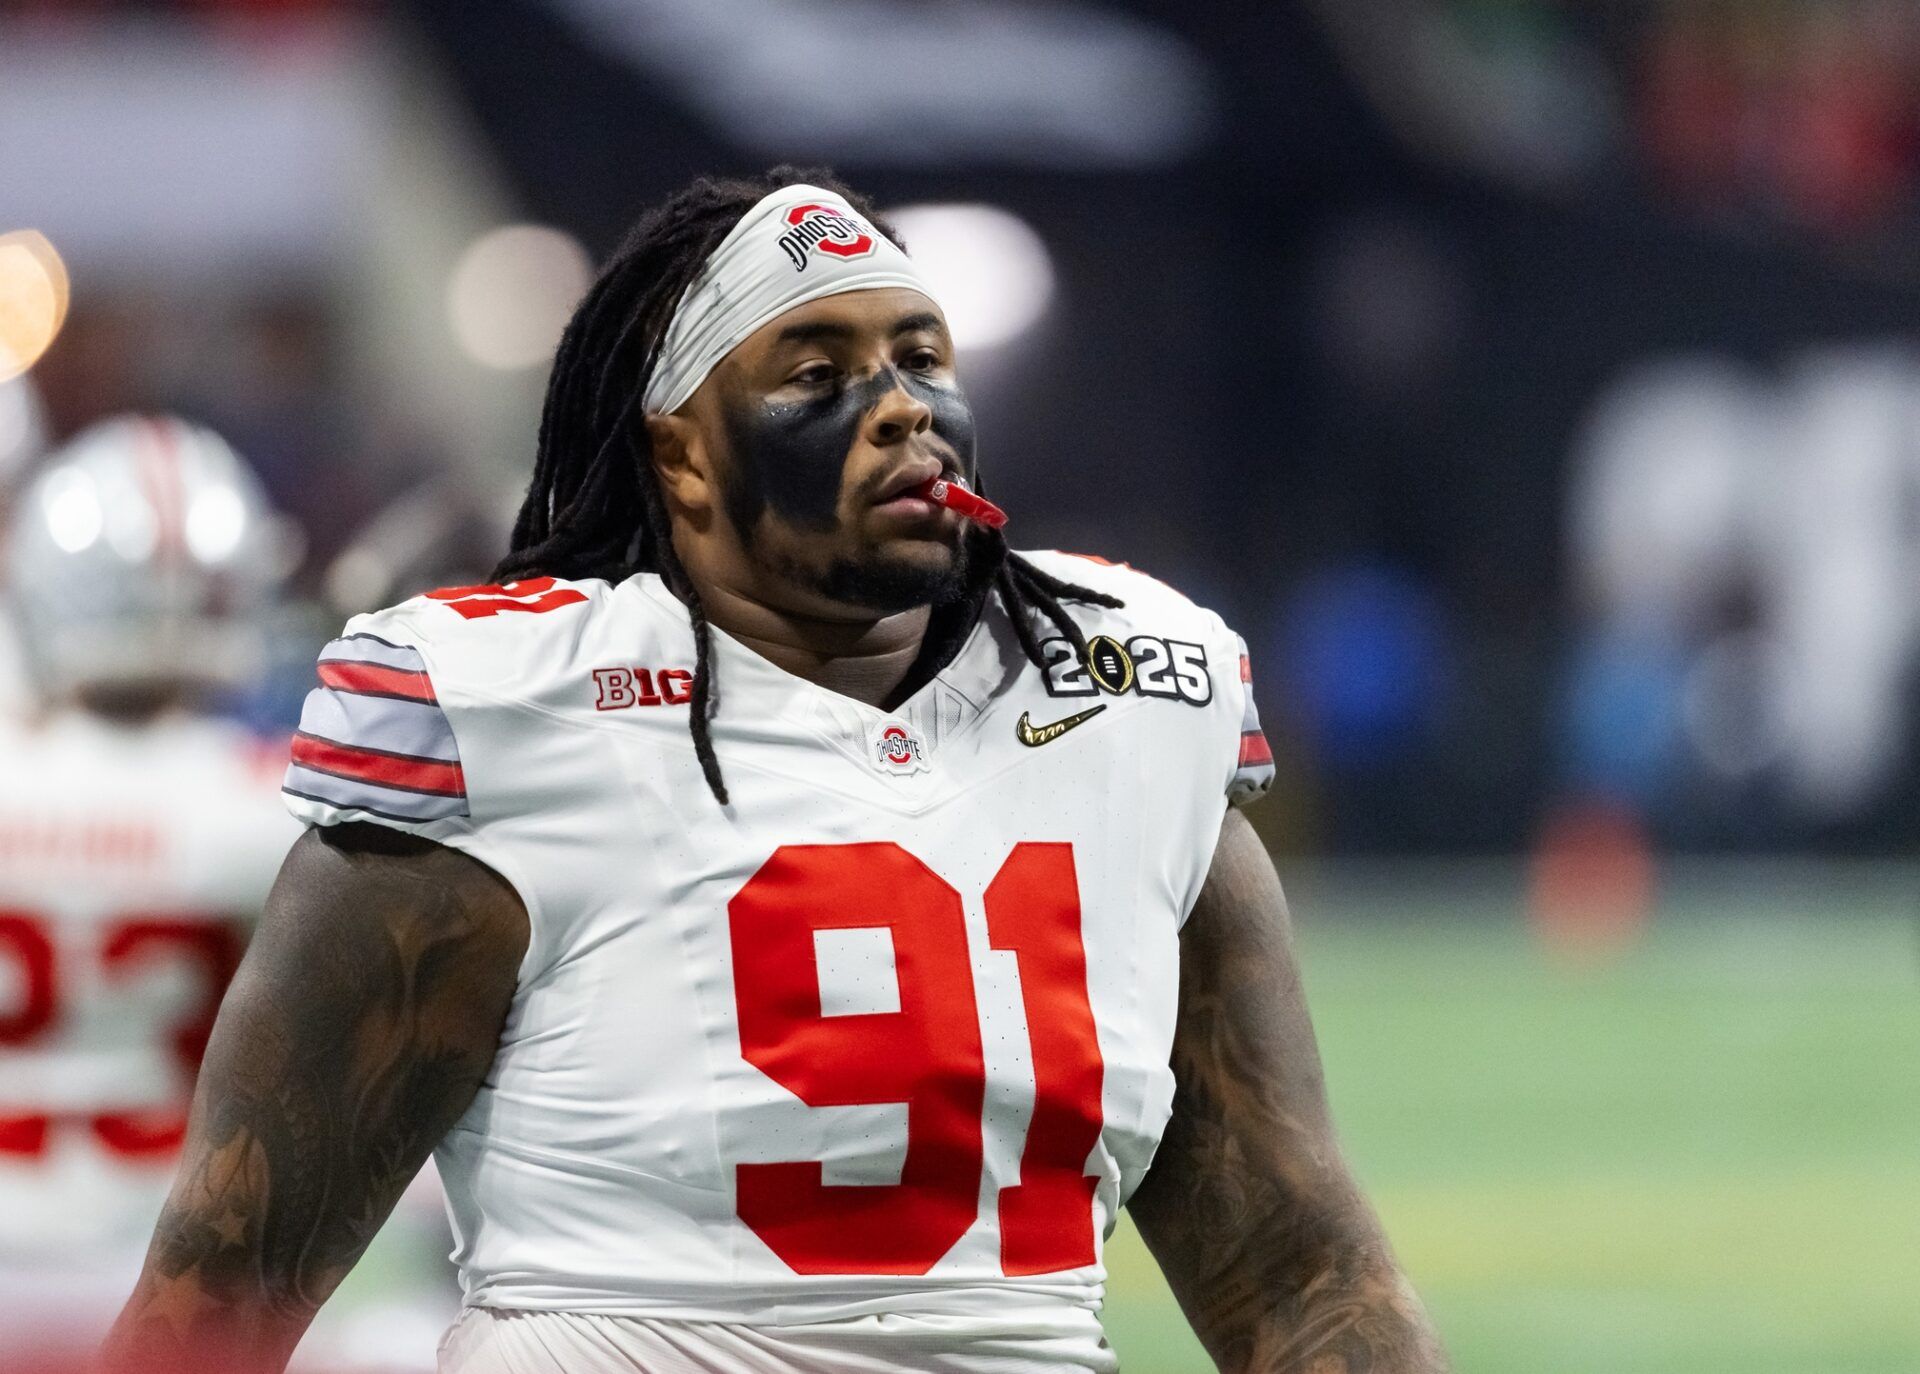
column 23, row 437
column 771, row 904
column 137, row 843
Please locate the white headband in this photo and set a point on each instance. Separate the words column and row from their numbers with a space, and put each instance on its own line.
column 794, row 246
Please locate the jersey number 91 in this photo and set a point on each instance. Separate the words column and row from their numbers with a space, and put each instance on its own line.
column 927, row 1055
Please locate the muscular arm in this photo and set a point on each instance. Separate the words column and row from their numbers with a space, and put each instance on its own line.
column 1275, row 1256
column 355, row 1033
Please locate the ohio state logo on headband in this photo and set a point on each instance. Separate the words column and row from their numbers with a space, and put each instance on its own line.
column 827, row 229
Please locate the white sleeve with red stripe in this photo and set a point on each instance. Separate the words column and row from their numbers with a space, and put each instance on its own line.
column 374, row 740
column 1254, row 773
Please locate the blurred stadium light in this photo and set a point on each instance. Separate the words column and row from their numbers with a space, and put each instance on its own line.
column 33, row 300
column 988, row 267
column 512, row 292
column 73, row 512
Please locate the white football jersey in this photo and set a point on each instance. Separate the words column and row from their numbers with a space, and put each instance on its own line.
column 889, row 1033
column 16, row 691
column 132, row 864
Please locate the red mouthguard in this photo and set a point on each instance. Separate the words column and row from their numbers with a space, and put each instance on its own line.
column 945, row 492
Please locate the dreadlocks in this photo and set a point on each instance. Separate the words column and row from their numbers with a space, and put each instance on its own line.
column 594, row 507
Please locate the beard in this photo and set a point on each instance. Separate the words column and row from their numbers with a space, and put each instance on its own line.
column 891, row 585
column 804, row 501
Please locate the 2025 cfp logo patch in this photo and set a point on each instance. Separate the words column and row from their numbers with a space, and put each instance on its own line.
column 1172, row 669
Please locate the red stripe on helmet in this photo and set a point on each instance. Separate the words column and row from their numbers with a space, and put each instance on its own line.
column 160, row 472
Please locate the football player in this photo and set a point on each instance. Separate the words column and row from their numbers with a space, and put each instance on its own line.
column 23, row 438
column 138, row 839
column 798, row 922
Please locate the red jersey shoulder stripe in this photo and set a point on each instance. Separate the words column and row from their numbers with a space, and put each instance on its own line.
column 377, row 680
column 432, row 776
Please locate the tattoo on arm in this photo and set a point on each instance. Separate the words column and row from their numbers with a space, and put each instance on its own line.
column 356, row 1032
column 1277, row 1259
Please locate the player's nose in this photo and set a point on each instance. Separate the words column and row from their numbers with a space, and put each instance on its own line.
column 898, row 415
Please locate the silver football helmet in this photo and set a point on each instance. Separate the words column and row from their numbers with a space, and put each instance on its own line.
column 143, row 552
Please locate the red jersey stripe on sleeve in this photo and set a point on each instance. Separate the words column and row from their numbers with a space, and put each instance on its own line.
column 377, row 680
column 1254, row 750
column 431, row 776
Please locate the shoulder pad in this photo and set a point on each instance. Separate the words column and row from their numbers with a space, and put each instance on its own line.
column 380, row 734
column 374, row 737
column 487, row 610
column 1160, row 643
column 1150, row 605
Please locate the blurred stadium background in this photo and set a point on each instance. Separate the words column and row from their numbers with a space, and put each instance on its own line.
column 1537, row 386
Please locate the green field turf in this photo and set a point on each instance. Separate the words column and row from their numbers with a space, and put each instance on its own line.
column 1699, row 1157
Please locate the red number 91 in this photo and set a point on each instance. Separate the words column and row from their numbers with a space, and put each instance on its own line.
column 926, row 1055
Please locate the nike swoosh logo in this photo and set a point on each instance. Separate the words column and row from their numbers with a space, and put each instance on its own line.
column 1036, row 735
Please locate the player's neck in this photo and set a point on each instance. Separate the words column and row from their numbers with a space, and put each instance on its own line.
column 863, row 657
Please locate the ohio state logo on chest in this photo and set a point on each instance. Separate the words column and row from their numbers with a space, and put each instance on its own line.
column 824, row 228
column 617, row 689
column 895, row 749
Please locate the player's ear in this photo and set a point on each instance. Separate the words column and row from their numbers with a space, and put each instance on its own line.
column 682, row 461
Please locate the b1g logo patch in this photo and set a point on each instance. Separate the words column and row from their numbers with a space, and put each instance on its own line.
column 824, row 229
column 621, row 689
column 1169, row 668
column 896, row 750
